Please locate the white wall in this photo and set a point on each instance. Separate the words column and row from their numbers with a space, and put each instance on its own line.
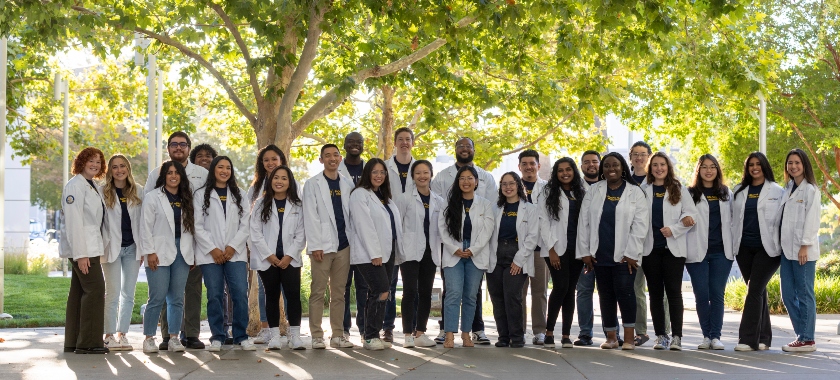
column 17, row 204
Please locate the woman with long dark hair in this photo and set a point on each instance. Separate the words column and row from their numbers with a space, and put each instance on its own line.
column 613, row 225
column 562, row 196
column 709, row 258
column 166, row 244
column 466, row 226
column 277, row 234
column 755, row 209
column 800, row 246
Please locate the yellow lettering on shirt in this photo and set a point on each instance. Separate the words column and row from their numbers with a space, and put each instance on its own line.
column 613, row 199
column 510, row 213
column 404, row 174
column 223, row 198
column 467, row 210
column 712, row 198
column 753, row 196
column 335, row 193
column 528, row 191
column 659, row 195
column 426, row 205
column 123, row 199
column 175, row 204
column 281, row 210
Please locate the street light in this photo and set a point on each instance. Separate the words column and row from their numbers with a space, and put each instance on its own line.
column 2, row 175
column 154, row 81
column 62, row 86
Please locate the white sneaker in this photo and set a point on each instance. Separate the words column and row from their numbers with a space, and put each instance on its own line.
column 374, row 344
column 763, row 347
column 111, row 343
column 294, row 340
column 479, row 337
column 707, row 343
column 175, row 345
column 717, row 344
column 424, row 341
column 341, row 342
column 539, row 339
column 150, row 346
column 441, row 337
column 247, row 345
column 676, row 343
column 215, row 346
column 743, row 347
column 276, row 342
column 318, row 344
column 409, row 341
column 662, row 342
column 124, row 344
column 263, row 337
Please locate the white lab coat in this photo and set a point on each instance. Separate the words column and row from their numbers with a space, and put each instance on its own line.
column 394, row 177
column 482, row 217
column 527, row 236
column 215, row 230
column 553, row 232
column 697, row 238
column 632, row 221
column 372, row 237
column 672, row 216
column 413, row 212
column 487, row 189
column 770, row 201
column 83, row 229
column 318, row 217
column 113, row 220
column 342, row 169
column 157, row 231
column 264, row 235
column 800, row 221
column 197, row 176
column 537, row 191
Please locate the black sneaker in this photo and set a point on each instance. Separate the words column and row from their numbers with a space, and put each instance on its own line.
column 193, row 343
column 164, row 345
column 583, row 340
column 502, row 344
column 95, row 350
column 566, row 343
column 548, row 342
column 517, row 345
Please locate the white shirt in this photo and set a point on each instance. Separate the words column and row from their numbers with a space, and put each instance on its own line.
column 800, row 221
column 83, row 230
column 443, row 181
column 197, row 176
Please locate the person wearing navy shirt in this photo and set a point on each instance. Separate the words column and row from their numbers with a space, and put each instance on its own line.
column 752, row 235
column 590, row 161
column 657, row 222
column 335, row 198
column 529, row 166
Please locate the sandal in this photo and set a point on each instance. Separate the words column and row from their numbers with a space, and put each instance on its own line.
column 466, row 340
column 641, row 339
column 449, row 340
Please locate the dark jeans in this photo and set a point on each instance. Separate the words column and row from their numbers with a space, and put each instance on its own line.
column 615, row 286
column 562, row 295
column 361, row 298
column 378, row 281
column 274, row 280
column 757, row 268
column 191, row 326
column 478, row 321
column 663, row 272
column 506, row 295
column 708, row 278
column 85, row 313
column 391, row 308
column 419, row 279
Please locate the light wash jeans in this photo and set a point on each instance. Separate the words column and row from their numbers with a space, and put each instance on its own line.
column 462, row 282
column 120, row 284
column 235, row 274
column 166, row 283
column 798, row 296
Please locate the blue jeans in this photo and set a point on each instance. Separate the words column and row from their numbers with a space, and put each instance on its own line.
column 167, row 283
column 586, row 315
column 235, row 275
column 708, row 278
column 120, row 284
column 798, row 296
column 462, row 283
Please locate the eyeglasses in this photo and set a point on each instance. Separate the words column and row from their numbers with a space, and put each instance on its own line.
column 182, row 144
column 379, row 172
column 508, row 184
column 466, row 179
column 638, row 155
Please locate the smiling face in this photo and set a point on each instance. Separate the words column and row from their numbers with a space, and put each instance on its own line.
column 119, row 169
column 280, row 183
column 754, row 168
column 565, row 173
column 612, row 169
column 222, row 172
column 509, row 186
column 659, row 168
column 422, row 175
column 794, row 167
column 354, row 144
column 178, row 149
column 639, row 157
column 330, row 158
column 467, row 182
column 529, row 166
column 203, row 158
column 378, row 175
column 589, row 166
column 92, row 167
column 464, row 151
column 404, row 142
column 708, row 171
column 271, row 160
column 173, row 179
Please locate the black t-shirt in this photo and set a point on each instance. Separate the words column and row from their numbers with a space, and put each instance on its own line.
column 222, row 192
column 572, row 223
column 125, row 222
column 355, row 171
column 715, row 224
column 751, row 237
column 590, row 183
column 335, row 196
column 640, row 179
column 467, row 234
column 507, row 226
column 605, row 255
column 529, row 188
column 175, row 203
column 657, row 221
column 426, row 200
column 390, row 216
column 281, row 210
column 403, row 169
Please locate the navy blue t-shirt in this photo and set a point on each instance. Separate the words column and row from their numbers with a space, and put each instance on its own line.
column 125, row 222
column 355, row 171
column 467, row 234
column 281, row 210
column 426, row 200
column 403, row 169
column 529, row 188
column 335, row 196
column 751, row 237
column 507, row 226
column 657, row 221
column 222, row 192
column 572, row 223
column 640, row 179
column 605, row 255
column 715, row 224
column 175, row 203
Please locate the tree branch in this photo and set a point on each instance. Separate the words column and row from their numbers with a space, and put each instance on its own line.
column 533, row 142
column 27, row 79
column 246, row 55
column 321, row 140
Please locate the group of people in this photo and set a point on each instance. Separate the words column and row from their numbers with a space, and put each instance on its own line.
column 362, row 223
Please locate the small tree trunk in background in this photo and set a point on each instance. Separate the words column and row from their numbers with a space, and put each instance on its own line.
column 386, row 131
column 254, row 324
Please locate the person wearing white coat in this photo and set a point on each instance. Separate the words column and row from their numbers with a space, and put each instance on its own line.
column 756, row 203
column 800, row 245
column 221, row 230
column 123, row 201
column 166, row 245
column 376, row 242
column 277, row 239
column 672, row 214
column 529, row 166
column 613, row 224
column 420, row 256
column 709, row 257
column 466, row 226
column 82, row 241
column 515, row 235
column 351, row 167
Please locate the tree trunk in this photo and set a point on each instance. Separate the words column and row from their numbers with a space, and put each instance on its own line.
column 266, row 125
column 386, row 130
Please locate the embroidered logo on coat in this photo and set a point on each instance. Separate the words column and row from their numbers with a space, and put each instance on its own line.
column 70, row 199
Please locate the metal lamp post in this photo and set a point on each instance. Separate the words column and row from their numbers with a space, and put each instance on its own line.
column 3, row 315
column 62, row 87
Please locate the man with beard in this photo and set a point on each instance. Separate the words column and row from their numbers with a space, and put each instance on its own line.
column 441, row 184
column 589, row 164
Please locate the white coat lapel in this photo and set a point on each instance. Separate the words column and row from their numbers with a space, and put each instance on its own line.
column 167, row 208
column 325, row 195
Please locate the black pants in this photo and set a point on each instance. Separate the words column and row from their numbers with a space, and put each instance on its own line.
column 478, row 320
column 418, row 278
column 274, row 280
column 564, row 281
column 615, row 286
column 506, row 295
column 757, row 268
column 664, row 273
column 378, row 280
column 85, row 314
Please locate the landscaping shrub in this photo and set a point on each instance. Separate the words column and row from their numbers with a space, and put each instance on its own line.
column 826, row 291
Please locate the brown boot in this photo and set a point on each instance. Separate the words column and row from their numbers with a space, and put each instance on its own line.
column 449, row 340
column 466, row 340
column 388, row 336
